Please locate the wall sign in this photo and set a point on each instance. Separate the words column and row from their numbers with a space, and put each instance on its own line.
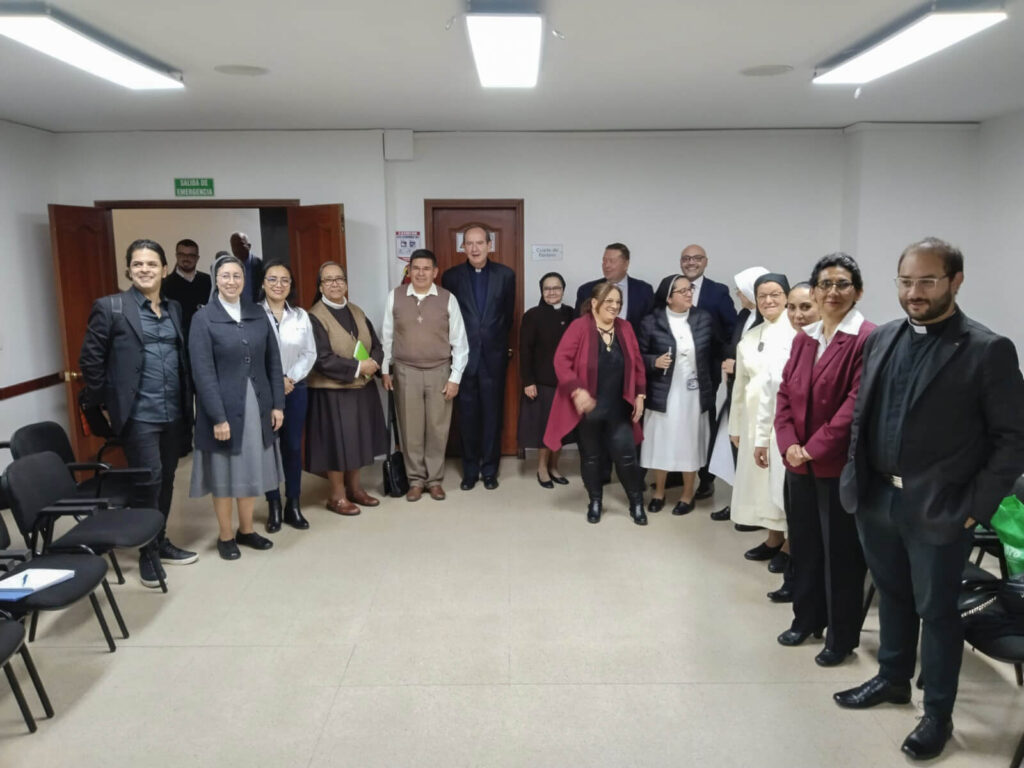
column 192, row 187
column 549, row 252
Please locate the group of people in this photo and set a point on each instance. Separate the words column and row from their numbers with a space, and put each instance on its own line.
column 855, row 447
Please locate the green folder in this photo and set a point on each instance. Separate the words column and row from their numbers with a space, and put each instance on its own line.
column 361, row 353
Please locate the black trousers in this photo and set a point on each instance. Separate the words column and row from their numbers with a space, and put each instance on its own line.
column 918, row 585
column 599, row 438
column 481, row 404
column 828, row 562
column 155, row 447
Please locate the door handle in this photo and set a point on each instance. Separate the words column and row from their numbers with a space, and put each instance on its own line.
column 510, row 353
column 72, row 376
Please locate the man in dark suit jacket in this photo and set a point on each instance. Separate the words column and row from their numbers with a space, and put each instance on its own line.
column 486, row 292
column 135, row 364
column 637, row 296
column 241, row 249
column 714, row 298
column 937, row 442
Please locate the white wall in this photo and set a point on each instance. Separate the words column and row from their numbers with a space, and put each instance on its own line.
column 29, row 333
column 210, row 228
column 749, row 197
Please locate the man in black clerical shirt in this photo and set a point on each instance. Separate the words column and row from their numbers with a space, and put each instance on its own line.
column 937, row 442
column 241, row 248
column 135, row 365
column 186, row 284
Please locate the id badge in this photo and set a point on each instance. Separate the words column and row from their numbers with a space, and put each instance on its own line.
column 692, row 384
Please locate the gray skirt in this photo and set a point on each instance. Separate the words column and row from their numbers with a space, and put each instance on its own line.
column 253, row 472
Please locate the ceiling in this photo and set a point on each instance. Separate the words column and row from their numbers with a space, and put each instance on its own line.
column 641, row 65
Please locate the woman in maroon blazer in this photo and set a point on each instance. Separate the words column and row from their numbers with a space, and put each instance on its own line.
column 812, row 424
column 601, row 388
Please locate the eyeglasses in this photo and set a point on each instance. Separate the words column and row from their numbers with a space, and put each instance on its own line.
column 278, row 280
column 333, row 280
column 684, row 291
column 686, row 259
column 552, row 289
column 776, row 295
column 840, row 285
column 223, row 278
column 925, row 283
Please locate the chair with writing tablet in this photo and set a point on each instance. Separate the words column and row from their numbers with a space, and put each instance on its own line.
column 12, row 641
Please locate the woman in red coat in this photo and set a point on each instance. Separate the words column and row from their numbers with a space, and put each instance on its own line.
column 601, row 390
column 813, row 416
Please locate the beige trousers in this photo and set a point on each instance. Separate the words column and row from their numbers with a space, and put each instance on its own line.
column 424, row 417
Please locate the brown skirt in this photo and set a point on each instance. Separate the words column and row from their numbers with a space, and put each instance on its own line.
column 344, row 429
column 533, row 419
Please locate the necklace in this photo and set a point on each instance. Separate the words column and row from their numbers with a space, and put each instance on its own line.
column 607, row 337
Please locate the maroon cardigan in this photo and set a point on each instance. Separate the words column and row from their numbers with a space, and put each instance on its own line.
column 815, row 403
column 576, row 368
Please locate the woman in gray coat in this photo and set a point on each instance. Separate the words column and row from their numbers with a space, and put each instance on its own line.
column 236, row 367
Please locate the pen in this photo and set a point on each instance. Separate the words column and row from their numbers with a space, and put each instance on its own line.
column 24, row 579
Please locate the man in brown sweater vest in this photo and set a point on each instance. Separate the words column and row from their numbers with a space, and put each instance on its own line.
column 425, row 353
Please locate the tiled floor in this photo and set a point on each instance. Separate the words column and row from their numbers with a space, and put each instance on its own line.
column 497, row 628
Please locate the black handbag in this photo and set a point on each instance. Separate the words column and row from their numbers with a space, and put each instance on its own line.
column 396, row 482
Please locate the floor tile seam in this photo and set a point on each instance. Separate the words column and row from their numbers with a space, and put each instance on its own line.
column 327, row 715
column 589, row 684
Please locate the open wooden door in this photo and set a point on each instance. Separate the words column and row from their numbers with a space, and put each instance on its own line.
column 445, row 221
column 316, row 233
column 85, row 268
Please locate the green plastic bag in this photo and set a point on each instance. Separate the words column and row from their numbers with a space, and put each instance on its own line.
column 1008, row 523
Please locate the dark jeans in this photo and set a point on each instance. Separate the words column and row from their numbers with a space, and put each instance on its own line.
column 290, row 435
column 828, row 563
column 918, row 585
column 481, row 404
column 609, row 437
column 155, row 447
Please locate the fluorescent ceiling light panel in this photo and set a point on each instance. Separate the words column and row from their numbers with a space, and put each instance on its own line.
column 924, row 37
column 506, row 48
column 48, row 35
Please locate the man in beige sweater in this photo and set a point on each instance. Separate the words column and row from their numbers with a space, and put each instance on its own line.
column 425, row 353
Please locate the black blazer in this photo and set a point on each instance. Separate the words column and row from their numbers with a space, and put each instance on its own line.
column 641, row 299
column 225, row 355
column 113, row 353
column 487, row 332
column 963, row 437
column 715, row 299
column 656, row 338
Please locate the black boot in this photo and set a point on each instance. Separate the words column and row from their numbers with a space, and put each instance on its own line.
column 594, row 510
column 273, row 515
column 293, row 515
column 636, row 509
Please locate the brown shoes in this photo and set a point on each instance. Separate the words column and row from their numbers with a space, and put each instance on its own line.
column 343, row 507
column 436, row 492
column 363, row 498
column 414, row 493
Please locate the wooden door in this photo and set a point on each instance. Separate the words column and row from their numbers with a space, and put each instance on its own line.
column 85, row 268
column 316, row 233
column 445, row 221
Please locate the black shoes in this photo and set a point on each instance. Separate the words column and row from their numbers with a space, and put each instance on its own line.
column 636, row 509
column 467, row 483
column 558, row 479
column 778, row 562
column 747, row 528
column 150, row 574
column 683, row 507
column 705, row 490
column 783, row 594
column 831, row 658
column 253, row 540
column 762, row 552
column 228, row 550
column 490, row 482
column 875, row 691
column 293, row 515
column 545, row 483
column 172, row 555
column 793, row 637
column 594, row 511
column 274, row 515
column 655, row 505
column 723, row 514
column 929, row 738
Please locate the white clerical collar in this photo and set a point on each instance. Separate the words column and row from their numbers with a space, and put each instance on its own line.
column 850, row 324
column 410, row 291
column 184, row 276
column 327, row 302
column 677, row 315
column 556, row 306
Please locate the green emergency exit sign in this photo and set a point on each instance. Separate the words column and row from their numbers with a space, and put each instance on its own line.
column 192, row 187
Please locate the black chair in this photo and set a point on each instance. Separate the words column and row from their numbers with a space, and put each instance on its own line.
column 12, row 641
column 90, row 572
column 116, row 484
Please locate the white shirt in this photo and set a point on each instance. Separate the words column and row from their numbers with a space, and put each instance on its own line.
column 850, row 324
column 624, row 287
column 456, row 332
column 696, row 284
column 294, row 340
column 188, row 277
column 234, row 310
